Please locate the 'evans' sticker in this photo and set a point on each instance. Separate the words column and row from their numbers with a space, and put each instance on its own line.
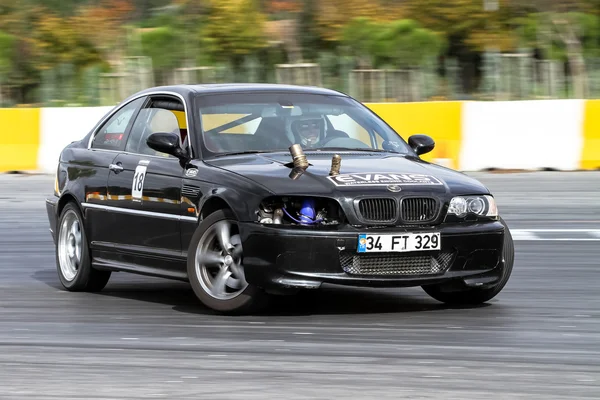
column 378, row 179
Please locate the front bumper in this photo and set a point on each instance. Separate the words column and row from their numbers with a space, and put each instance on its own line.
column 51, row 209
column 297, row 257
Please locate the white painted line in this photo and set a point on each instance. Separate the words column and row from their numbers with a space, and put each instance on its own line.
column 558, row 230
column 565, row 239
column 520, row 234
column 593, row 235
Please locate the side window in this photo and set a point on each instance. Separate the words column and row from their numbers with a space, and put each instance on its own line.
column 159, row 116
column 111, row 135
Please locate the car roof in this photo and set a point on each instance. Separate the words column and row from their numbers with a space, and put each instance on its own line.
column 215, row 88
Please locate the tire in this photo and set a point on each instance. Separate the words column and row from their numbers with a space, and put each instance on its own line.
column 474, row 296
column 73, row 261
column 208, row 262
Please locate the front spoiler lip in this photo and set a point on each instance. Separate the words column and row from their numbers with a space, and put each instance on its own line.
column 474, row 278
column 269, row 263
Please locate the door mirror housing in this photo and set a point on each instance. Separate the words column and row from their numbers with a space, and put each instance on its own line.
column 421, row 144
column 166, row 142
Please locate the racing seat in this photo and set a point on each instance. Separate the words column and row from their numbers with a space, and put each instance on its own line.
column 270, row 134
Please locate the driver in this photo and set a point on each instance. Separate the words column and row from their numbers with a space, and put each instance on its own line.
column 309, row 130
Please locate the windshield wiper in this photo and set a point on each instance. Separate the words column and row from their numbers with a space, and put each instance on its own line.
column 326, row 149
column 235, row 153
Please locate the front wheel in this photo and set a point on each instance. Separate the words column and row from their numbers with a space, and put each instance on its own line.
column 472, row 296
column 73, row 262
column 215, row 266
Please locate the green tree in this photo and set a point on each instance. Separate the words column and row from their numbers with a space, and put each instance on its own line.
column 7, row 54
column 334, row 15
column 466, row 23
column 402, row 43
column 233, row 30
column 310, row 40
column 56, row 40
column 163, row 46
column 568, row 37
column 406, row 44
column 361, row 37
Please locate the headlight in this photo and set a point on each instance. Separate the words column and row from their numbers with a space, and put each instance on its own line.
column 479, row 206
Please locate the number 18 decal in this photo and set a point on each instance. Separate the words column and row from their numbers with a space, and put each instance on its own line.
column 137, row 187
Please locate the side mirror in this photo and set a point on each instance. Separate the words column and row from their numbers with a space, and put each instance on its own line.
column 421, row 144
column 165, row 142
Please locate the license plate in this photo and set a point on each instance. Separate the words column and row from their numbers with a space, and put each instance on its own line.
column 401, row 242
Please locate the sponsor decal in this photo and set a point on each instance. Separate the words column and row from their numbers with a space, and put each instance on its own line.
column 191, row 172
column 384, row 179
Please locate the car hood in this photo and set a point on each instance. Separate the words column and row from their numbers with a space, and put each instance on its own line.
column 359, row 173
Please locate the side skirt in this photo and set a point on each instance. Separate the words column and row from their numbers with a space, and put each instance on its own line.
column 141, row 261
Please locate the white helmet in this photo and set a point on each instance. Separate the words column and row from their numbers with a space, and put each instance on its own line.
column 306, row 130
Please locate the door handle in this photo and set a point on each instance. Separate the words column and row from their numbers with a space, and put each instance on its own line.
column 116, row 168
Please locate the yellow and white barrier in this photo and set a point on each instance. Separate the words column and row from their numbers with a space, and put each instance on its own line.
column 526, row 135
column 19, row 139
column 469, row 136
column 440, row 120
column 522, row 135
column 61, row 126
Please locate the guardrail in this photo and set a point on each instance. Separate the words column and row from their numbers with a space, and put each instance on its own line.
column 470, row 136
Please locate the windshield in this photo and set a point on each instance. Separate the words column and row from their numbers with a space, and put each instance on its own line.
column 266, row 122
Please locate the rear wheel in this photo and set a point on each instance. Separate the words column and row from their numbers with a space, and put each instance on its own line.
column 215, row 266
column 471, row 296
column 73, row 260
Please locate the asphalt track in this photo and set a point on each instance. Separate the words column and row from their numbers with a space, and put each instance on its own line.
column 150, row 338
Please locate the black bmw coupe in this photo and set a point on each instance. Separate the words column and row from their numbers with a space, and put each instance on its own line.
column 252, row 190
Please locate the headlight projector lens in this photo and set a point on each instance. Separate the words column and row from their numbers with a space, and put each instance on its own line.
column 476, row 206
